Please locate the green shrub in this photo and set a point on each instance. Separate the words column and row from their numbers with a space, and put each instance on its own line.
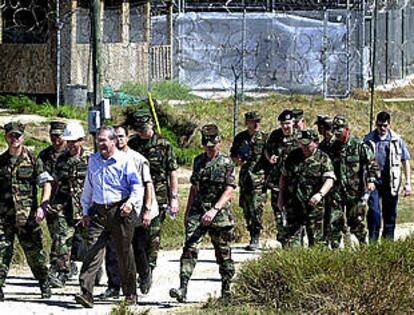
column 376, row 279
column 164, row 90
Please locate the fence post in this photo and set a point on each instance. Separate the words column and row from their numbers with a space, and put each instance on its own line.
column 243, row 49
column 236, row 101
column 170, row 37
column 373, row 60
column 324, row 53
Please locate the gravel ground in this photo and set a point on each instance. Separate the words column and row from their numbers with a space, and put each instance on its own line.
column 23, row 295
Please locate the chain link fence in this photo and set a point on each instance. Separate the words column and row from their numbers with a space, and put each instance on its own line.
column 312, row 47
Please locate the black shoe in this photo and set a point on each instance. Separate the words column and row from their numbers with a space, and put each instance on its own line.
column 252, row 247
column 1, row 295
column 146, row 282
column 109, row 293
column 45, row 291
column 131, row 299
column 179, row 294
column 254, row 244
column 85, row 299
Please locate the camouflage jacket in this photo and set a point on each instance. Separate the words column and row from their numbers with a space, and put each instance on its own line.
column 18, row 184
column 161, row 157
column 354, row 164
column 49, row 157
column 280, row 145
column 304, row 176
column 212, row 177
column 251, row 150
column 69, row 178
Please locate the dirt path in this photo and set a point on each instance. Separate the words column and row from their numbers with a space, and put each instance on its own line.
column 23, row 296
column 22, row 293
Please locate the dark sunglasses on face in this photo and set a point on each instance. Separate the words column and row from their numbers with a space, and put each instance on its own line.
column 15, row 135
column 385, row 125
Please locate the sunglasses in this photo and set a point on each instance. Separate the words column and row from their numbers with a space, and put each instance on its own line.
column 382, row 125
column 14, row 135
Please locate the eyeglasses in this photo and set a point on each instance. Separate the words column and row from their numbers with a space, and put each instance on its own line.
column 384, row 125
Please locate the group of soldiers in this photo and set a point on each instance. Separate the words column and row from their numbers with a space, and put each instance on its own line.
column 318, row 192
column 60, row 172
column 318, row 188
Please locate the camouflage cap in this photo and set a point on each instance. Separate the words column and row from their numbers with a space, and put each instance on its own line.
column 306, row 136
column 297, row 113
column 252, row 116
column 14, row 126
column 324, row 120
column 210, row 135
column 339, row 123
column 285, row 115
column 57, row 128
column 141, row 119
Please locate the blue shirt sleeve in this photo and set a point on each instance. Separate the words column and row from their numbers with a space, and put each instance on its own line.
column 134, row 182
column 405, row 154
column 86, row 197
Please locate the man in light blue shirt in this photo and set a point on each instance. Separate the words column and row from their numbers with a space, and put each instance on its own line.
column 112, row 188
column 392, row 156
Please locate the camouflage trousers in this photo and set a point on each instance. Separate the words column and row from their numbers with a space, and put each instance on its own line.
column 252, row 201
column 345, row 218
column 220, row 238
column 300, row 220
column 61, row 234
column 281, row 232
column 154, row 239
column 30, row 238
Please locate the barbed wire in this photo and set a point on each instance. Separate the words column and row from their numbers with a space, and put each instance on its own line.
column 318, row 46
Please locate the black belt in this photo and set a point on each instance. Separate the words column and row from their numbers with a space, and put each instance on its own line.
column 108, row 206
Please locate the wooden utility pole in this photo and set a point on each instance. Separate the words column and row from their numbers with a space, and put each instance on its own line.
column 95, row 6
column 148, row 39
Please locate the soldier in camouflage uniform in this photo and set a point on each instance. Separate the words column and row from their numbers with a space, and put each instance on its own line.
column 279, row 144
column 163, row 167
column 20, row 174
column 65, row 211
column 209, row 211
column 298, row 119
column 248, row 151
column 49, row 157
column 307, row 176
column 324, row 124
column 356, row 172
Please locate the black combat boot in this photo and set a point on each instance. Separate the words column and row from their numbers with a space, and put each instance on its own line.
column 225, row 291
column 45, row 290
column 1, row 295
column 55, row 281
column 180, row 294
column 254, row 241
